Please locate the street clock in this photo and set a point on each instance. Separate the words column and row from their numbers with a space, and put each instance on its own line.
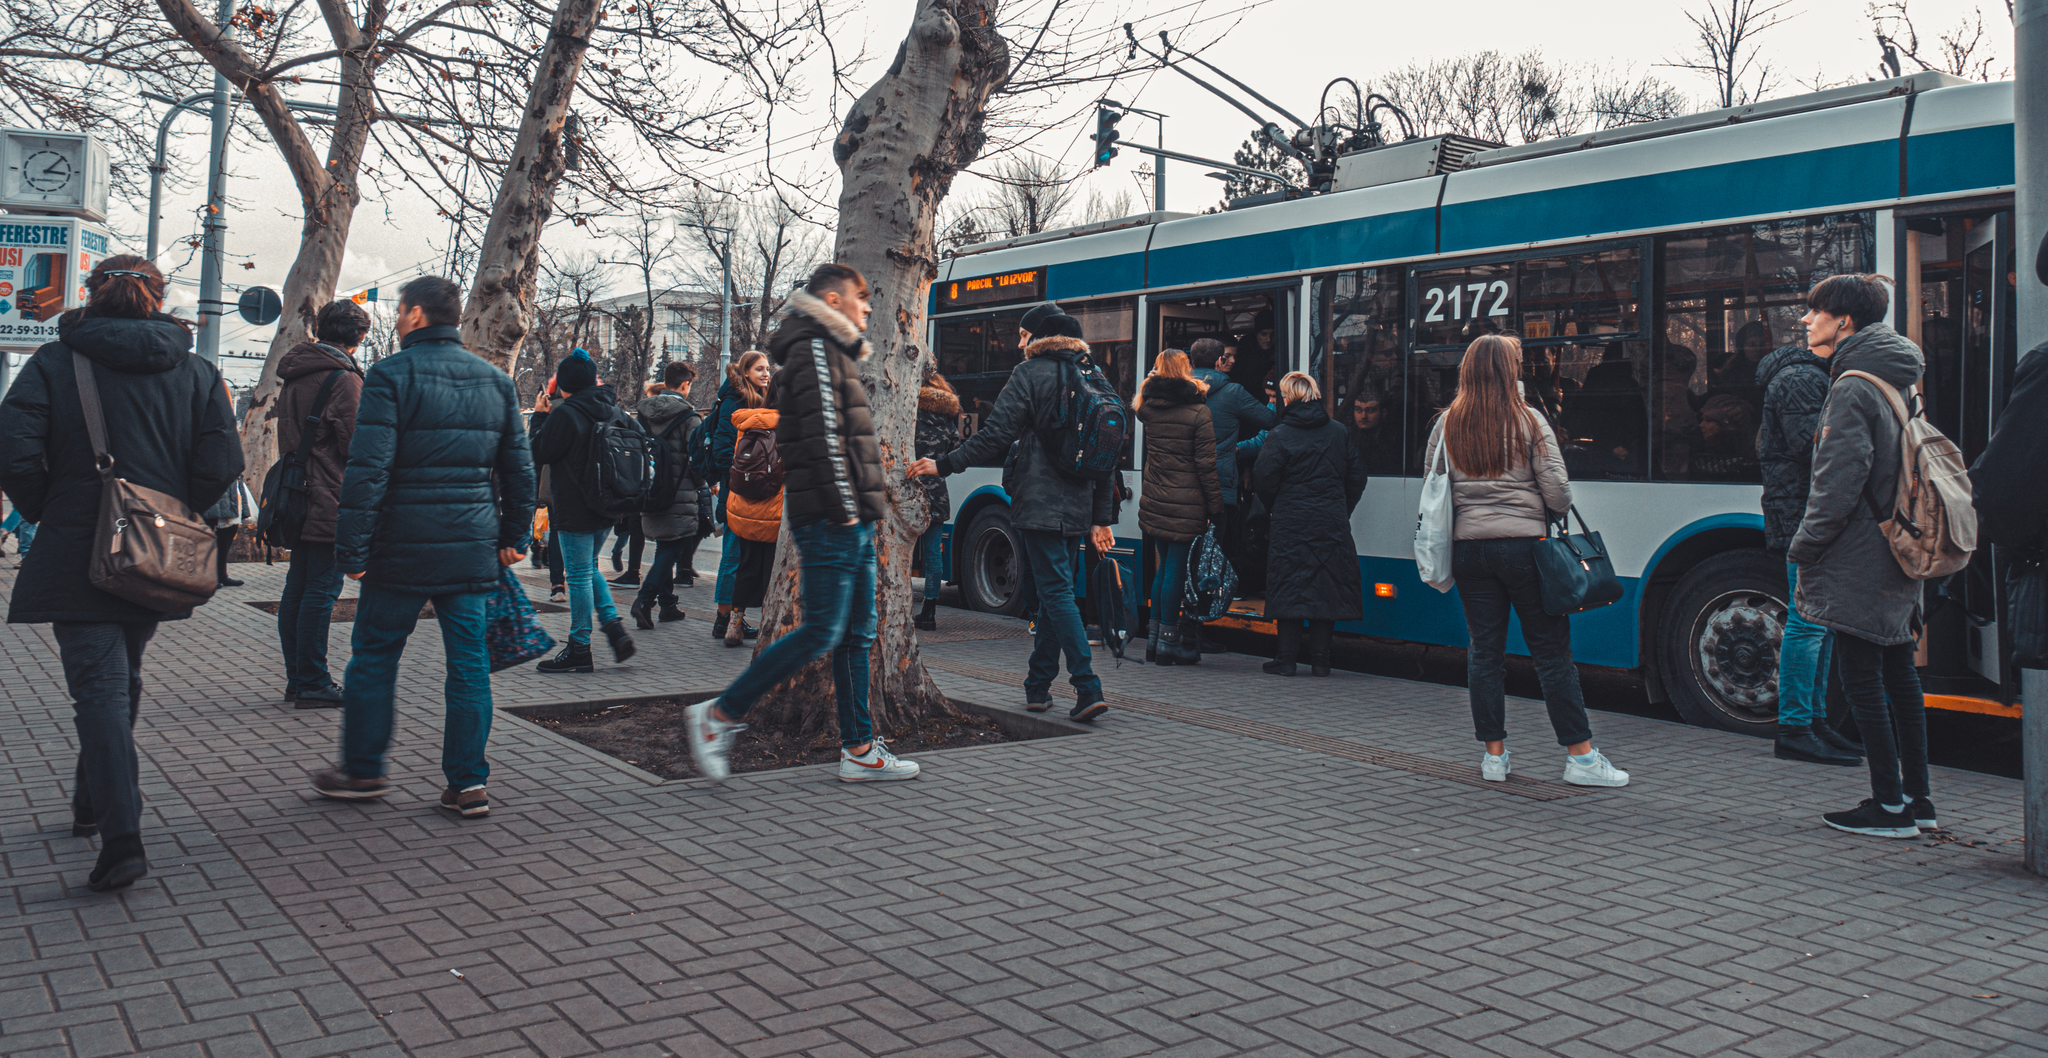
column 53, row 172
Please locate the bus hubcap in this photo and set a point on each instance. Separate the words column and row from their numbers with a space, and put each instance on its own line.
column 1737, row 660
column 996, row 568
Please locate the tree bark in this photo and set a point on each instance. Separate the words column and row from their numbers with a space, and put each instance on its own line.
column 902, row 144
column 500, row 309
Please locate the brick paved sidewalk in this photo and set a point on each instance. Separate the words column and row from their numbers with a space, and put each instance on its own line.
column 1232, row 864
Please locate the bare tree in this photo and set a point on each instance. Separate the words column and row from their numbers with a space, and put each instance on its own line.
column 1962, row 49
column 1725, row 49
column 653, row 249
column 565, row 316
column 774, row 245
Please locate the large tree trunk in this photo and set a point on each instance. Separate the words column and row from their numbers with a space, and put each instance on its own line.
column 500, row 309
column 901, row 146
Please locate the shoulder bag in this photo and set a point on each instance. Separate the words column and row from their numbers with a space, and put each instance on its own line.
column 148, row 548
column 1574, row 571
column 1433, row 522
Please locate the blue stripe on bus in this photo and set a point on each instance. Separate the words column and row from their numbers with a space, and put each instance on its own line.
column 1419, row 613
column 1814, row 180
column 1410, row 233
column 1959, row 160
column 1101, row 275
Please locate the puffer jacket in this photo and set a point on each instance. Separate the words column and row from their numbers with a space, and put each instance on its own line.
column 439, row 474
column 757, row 520
column 1234, row 415
column 1181, row 495
column 2012, row 507
column 1795, row 385
column 669, row 419
column 170, row 428
column 1514, row 504
column 938, row 432
column 825, row 435
column 304, row 369
column 561, row 442
column 1041, row 498
column 1849, row 580
column 1311, row 478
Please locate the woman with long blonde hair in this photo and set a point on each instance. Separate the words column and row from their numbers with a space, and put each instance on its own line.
column 1181, row 498
column 746, row 386
column 1507, row 480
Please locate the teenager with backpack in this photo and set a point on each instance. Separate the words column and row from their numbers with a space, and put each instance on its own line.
column 671, row 420
column 566, row 439
column 834, row 495
column 1059, row 404
column 746, row 386
column 753, row 513
column 1849, row 579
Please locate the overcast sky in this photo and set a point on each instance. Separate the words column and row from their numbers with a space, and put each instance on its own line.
column 1287, row 49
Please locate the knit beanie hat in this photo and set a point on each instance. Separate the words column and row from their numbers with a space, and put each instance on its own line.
column 576, row 373
column 1056, row 325
column 1034, row 320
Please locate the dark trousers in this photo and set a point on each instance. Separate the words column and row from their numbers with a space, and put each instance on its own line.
column 1495, row 577
column 686, row 563
column 303, row 615
column 1884, row 695
column 838, row 564
column 103, row 672
column 628, row 533
column 1051, row 558
column 1320, row 634
column 660, row 585
column 224, row 542
column 556, row 577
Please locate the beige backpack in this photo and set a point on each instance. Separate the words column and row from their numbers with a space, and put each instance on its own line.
column 1933, row 527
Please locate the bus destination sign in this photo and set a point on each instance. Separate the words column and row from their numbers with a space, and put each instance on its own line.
column 1008, row 288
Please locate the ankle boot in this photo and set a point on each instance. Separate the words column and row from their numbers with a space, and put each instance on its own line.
column 927, row 619
column 1168, row 641
column 1834, row 739
column 1798, row 743
column 735, row 631
column 1319, row 635
column 670, row 612
column 1152, row 645
column 621, row 642
column 1290, row 648
column 718, row 626
column 1187, row 643
column 574, row 658
column 642, row 619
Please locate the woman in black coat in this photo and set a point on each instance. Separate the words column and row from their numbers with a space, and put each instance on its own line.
column 1310, row 477
column 170, row 427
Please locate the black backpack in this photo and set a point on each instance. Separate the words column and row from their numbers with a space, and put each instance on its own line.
column 756, row 465
column 1106, row 590
column 620, row 476
column 701, row 438
column 1087, row 442
column 669, row 472
column 286, row 496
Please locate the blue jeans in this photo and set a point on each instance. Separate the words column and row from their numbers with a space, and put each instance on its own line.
column 1052, row 557
column 384, row 619
column 587, row 586
column 103, row 672
column 728, row 568
column 304, row 614
column 839, row 616
column 1803, row 657
column 660, row 585
column 24, row 532
column 931, row 549
column 1171, row 582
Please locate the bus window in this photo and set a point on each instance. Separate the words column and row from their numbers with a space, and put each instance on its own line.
column 1356, row 356
column 977, row 353
column 1729, row 298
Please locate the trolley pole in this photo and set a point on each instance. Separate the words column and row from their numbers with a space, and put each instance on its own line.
column 2030, row 214
column 213, row 260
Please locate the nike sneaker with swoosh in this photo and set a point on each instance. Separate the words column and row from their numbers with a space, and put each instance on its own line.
column 876, row 765
column 710, row 740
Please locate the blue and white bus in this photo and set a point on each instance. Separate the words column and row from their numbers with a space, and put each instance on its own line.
column 1646, row 270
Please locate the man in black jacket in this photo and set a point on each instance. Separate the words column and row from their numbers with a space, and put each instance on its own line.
column 438, row 495
column 1795, row 384
column 670, row 418
column 561, row 442
column 833, row 495
column 1050, row 511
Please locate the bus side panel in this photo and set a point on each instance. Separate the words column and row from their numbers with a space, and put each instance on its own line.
column 1961, row 160
column 1102, row 275
column 1409, row 233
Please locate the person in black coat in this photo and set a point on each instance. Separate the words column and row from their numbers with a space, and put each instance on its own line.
column 170, row 427
column 938, row 431
column 437, row 496
column 1310, row 477
column 561, row 442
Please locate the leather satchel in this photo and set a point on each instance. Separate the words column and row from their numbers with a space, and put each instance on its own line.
column 149, row 548
column 1574, row 571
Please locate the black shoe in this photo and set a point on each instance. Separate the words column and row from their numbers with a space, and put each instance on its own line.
column 291, row 695
column 324, row 698
column 225, row 582
column 618, row 562
column 1870, row 818
column 927, row 619
column 641, row 618
column 627, row 580
column 1033, row 706
column 574, row 658
column 1319, row 670
column 1798, row 743
column 718, row 626
column 1279, row 668
column 119, row 875
column 748, row 631
column 1922, row 811
column 1835, row 739
column 670, row 613
column 1086, row 712
column 621, row 643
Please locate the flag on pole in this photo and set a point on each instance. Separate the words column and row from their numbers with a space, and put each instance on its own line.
column 363, row 296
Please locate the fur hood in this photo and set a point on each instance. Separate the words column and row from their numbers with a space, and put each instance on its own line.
column 1055, row 344
column 938, row 400
column 1171, row 391
column 811, row 307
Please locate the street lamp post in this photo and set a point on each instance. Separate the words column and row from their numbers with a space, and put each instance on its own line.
column 725, row 295
column 2030, row 214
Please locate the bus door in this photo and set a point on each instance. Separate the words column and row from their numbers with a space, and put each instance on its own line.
column 1958, row 304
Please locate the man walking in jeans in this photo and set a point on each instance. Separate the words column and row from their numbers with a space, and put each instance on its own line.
column 423, row 520
column 1050, row 512
column 833, row 494
column 310, row 588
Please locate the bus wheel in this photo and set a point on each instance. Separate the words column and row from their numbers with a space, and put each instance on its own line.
column 1717, row 646
column 994, row 574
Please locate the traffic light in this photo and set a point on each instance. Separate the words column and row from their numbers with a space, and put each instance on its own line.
column 1105, row 135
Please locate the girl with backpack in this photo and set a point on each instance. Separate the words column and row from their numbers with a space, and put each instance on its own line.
column 1182, row 496
column 746, row 386
column 753, row 512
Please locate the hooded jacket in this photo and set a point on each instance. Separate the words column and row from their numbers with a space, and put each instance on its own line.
column 561, row 442
column 825, row 435
column 1311, row 478
column 670, row 419
column 1849, row 579
column 2012, row 507
column 169, row 428
column 439, row 477
column 1041, row 498
column 938, row 432
column 1234, row 415
column 1181, row 495
column 1795, row 385
column 1515, row 504
column 758, row 520
column 304, row 369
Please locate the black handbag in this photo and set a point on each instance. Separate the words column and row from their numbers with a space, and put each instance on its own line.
column 1574, row 571
column 287, row 497
column 2026, row 598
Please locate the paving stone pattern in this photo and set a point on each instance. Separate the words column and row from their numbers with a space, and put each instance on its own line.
column 1156, row 886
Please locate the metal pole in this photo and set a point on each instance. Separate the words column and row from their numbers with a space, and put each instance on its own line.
column 158, row 168
column 1159, row 169
column 212, row 313
column 725, row 310
column 2030, row 215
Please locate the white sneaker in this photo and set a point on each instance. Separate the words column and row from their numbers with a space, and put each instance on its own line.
column 1495, row 768
column 1601, row 772
column 710, row 740
column 876, row 765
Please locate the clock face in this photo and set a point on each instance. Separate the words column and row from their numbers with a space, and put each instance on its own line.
column 41, row 169
column 47, row 170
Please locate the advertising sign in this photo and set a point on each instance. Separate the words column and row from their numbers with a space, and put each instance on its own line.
column 43, row 264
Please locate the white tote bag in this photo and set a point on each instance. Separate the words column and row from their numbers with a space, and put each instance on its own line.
column 1433, row 522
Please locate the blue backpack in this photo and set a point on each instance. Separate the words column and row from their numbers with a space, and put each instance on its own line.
column 1087, row 443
